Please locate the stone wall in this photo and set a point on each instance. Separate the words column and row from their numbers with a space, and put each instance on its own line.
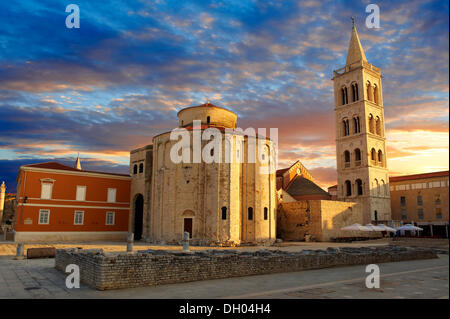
column 155, row 267
column 322, row 219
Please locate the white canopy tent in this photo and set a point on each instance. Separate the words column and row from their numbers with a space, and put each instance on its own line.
column 355, row 227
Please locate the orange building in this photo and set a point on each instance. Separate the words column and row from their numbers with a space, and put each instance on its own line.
column 57, row 202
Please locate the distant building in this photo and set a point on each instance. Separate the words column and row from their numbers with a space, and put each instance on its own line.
column 299, row 184
column 58, row 202
column 422, row 199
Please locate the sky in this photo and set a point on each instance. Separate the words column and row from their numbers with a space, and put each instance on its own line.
column 112, row 84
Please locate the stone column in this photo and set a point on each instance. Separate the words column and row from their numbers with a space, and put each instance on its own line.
column 2, row 199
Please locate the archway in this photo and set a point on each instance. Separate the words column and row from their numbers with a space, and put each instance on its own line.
column 138, row 216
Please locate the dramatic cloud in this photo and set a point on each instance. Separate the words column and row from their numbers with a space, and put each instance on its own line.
column 119, row 80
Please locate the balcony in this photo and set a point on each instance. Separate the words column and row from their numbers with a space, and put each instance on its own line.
column 357, row 163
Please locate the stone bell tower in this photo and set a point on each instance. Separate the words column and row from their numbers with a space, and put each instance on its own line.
column 360, row 134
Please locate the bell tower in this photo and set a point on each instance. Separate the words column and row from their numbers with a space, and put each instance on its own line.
column 360, row 135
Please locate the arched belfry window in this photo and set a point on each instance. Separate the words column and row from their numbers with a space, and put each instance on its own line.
column 135, row 169
column 375, row 93
column 347, row 158
column 380, row 157
column 355, row 93
column 346, row 127
column 357, row 157
column 369, row 91
column 378, row 126
column 373, row 155
column 141, row 168
column 356, row 125
column 359, row 187
column 348, row 188
column 208, row 120
column 344, row 95
column 371, row 124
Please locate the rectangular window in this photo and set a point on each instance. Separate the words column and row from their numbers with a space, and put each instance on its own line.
column 44, row 217
column 78, row 218
column 46, row 190
column 404, row 214
column 403, row 201
column 420, row 213
column 110, row 218
column 81, row 193
column 419, row 200
column 437, row 199
column 438, row 213
column 111, row 195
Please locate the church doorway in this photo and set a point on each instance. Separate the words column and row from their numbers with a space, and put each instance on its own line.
column 138, row 216
column 188, row 226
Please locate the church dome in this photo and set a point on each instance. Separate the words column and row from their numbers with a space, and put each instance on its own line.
column 209, row 114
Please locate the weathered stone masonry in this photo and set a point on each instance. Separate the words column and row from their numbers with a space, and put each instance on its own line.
column 155, row 267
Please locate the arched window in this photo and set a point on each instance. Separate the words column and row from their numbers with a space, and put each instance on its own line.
column 347, row 158
column 358, row 157
column 346, row 127
column 356, row 125
column 266, row 213
column 378, row 126
column 135, row 169
column 355, row 93
column 359, row 187
column 250, row 213
column 380, row 157
column 224, row 213
column 375, row 93
column 344, row 95
column 208, row 120
column 371, row 124
column 141, row 168
column 369, row 91
column 375, row 213
column 383, row 187
column 348, row 188
column 373, row 155
column 377, row 187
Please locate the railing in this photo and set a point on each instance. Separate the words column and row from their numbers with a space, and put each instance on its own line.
column 347, row 164
column 357, row 163
column 355, row 65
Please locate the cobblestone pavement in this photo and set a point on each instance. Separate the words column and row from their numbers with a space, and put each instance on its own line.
column 37, row 278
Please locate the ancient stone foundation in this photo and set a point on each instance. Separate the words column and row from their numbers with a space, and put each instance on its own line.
column 156, row 267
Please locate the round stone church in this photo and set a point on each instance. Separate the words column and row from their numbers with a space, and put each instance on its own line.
column 207, row 178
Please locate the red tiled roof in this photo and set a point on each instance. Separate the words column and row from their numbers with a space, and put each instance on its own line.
column 59, row 166
column 418, row 176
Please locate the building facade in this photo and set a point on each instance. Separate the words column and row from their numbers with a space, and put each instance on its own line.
column 58, row 202
column 422, row 199
column 360, row 135
column 223, row 202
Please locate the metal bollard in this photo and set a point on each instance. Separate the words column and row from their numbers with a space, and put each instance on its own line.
column 185, row 240
column 130, row 241
column 19, row 251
